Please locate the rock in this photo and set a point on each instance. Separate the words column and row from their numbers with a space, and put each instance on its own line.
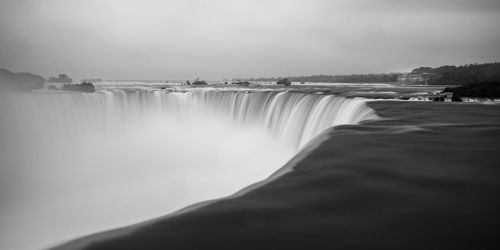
column 245, row 83
column 438, row 99
column 52, row 87
column 456, row 98
column 284, row 81
column 199, row 82
column 82, row 87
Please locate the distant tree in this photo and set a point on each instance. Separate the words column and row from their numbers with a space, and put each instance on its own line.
column 20, row 81
column 470, row 73
column 422, row 70
column 62, row 78
column 488, row 89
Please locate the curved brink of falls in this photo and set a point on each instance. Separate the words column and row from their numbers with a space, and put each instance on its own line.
column 114, row 122
column 295, row 118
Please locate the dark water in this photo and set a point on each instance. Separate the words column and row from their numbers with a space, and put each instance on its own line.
column 424, row 177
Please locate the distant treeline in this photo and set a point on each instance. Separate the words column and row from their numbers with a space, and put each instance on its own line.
column 355, row 78
column 489, row 89
column 20, row 81
column 460, row 75
column 444, row 75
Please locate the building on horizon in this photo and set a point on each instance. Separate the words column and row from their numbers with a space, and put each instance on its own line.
column 421, row 78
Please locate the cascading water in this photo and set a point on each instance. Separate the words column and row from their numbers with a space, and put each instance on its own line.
column 77, row 163
column 293, row 117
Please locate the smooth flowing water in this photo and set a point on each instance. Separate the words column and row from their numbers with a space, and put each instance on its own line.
column 73, row 163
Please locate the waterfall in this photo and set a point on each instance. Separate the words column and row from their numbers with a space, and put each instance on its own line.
column 76, row 163
column 294, row 118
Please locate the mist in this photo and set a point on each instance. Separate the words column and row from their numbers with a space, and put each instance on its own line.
column 70, row 168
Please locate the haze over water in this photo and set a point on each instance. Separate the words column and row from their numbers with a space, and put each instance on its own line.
column 59, row 183
column 75, row 164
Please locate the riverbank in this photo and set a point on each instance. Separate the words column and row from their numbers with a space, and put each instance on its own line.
column 424, row 177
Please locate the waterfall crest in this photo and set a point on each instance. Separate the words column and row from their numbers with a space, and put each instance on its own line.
column 294, row 118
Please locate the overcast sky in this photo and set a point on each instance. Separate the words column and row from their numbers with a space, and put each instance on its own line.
column 216, row 39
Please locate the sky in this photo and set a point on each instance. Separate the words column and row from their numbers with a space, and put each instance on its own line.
column 219, row 39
